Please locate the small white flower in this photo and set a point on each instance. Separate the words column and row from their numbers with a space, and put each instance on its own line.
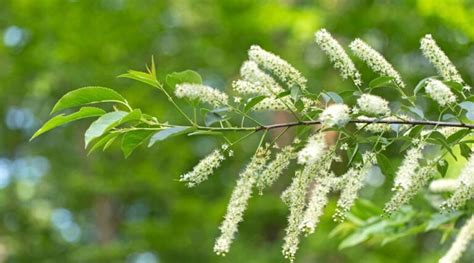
column 408, row 169
column 344, row 147
column 465, row 236
column 317, row 202
column 313, row 150
column 202, row 93
column 278, row 67
column 335, row 114
column 439, row 92
column 465, row 189
column 275, row 168
column 373, row 105
column 255, row 81
column 375, row 61
column 203, row 169
column 337, row 56
column 444, row 185
column 438, row 58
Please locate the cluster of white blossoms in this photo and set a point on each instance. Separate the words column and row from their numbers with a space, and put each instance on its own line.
column 277, row 67
column 275, row 168
column 203, row 169
column 255, row 81
column 444, row 185
column 338, row 56
column 409, row 168
column 438, row 58
column 375, row 61
column 439, row 92
column 352, row 182
column 466, row 234
column 465, row 190
column 335, row 114
column 202, row 93
column 281, row 104
column 317, row 202
column 373, row 105
column 239, row 199
column 382, row 127
column 313, row 151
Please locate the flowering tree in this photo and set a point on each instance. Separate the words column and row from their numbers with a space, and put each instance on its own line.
column 364, row 131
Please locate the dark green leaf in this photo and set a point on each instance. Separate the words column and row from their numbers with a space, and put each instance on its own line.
column 442, row 168
column 385, row 164
column 169, row 132
column 382, row 81
column 252, row 102
column 84, row 112
column 439, row 219
column 104, row 142
column 465, row 150
column 187, row 76
column 131, row 140
column 457, row 136
column 283, row 94
column 87, row 95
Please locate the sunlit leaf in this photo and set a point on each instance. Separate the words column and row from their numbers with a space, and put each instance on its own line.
column 87, row 95
column 169, row 132
column 187, row 76
column 145, row 77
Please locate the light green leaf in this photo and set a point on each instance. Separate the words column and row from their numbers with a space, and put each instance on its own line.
column 253, row 101
column 85, row 112
column 187, row 76
column 439, row 219
column 87, row 95
column 103, row 142
column 382, row 81
column 204, row 133
column 103, row 124
column 131, row 140
column 147, row 78
column 170, row 132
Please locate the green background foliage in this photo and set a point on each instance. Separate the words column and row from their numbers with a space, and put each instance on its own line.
column 58, row 204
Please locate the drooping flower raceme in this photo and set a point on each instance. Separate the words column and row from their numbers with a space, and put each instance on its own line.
column 202, row 93
column 337, row 56
column 352, row 182
column 278, row 67
column 373, row 105
column 465, row 189
column 255, row 81
column 335, row 114
column 203, row 169
column 438, row 58
column 317, row 202
column 439, row 92
column 275, row 168
column 408, row 169
column 239, row 199
column 375, row 61
column 313, row 150
column 465, row 236
column 444, row 185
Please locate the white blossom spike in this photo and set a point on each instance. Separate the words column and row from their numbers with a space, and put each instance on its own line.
column 313, row 150
column 465, row 189
column 439, row 92
column 281, row 104
column 373, row 105
column 203, row 169
column 335, row 114
column 238, row 201
column 338, row 56
column 375, row 61
column 317, row 202
column 202, row 93
column 255, row 81
column 440, row 61
column 408, row 169
column 444, row 185
column 465, row 236
column 278, row 67
column 275, row 168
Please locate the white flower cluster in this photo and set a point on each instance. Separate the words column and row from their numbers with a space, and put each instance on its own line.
column 335, row 114
column 275, row 168
column 465, row 236
column 255, row 81
column 281, row 104
column 352, row 182
column 402, row 197
column 408, row 169
column 278, row 67
column 203, row 169
column 317, row 202
column 338, row 56
column 313, row 150
column 373, row 105
column 444, row 185
column 382, row 127
column 375, row 61
column 202, row 93
column 439, row 92
column 438, row 58
column 465, row 190
column 239, row 199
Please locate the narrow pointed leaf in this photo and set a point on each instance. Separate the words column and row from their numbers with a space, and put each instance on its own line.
column 144, row 77
column 86, row 96
column 252, row 102
column 170, row 132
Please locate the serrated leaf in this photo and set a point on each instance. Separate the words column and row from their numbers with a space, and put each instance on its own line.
column 103, row 124
column 169, row 132
column 145, row 77
column 132, row 139
column 86, row 96
column 84, row 112
column 187, row 76
column 382, row 81
column 252, row 102
column 103, row 142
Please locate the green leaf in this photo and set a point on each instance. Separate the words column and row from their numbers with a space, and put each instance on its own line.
column 253, row 101
column 84, row 112
column 457, row 136
column 145, row 77
column 382, row 81
column 204, row 133
column 421, row 84
column 131, row 140
column 104, row 142
column 295, row 93
column 215, row 115
column 170, row 132
column 103, row 124
column 467, row 105
column 187, row 76
column 417, row 111
column 470, row 115
column 335, row 97
column 385, row 165
column 442, row 168
column 87, row 95
column 439, row 219
column 283, row 94
column 465, row 150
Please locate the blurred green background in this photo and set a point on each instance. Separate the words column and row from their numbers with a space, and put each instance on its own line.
column 58, row 205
